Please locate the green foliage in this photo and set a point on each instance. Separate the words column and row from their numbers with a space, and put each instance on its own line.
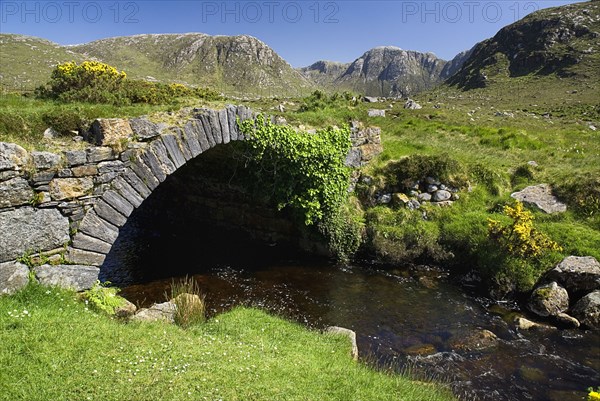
column 95, row 82
column 189, row 302
column 491, row 179
column 306, row 172
column 405, row 172
column 403, row 236
column 519, row 238
column 64, row 120
column 319, row 100
column 582, row 194
column 345, row 229
column 103, row 298
column 243, row 354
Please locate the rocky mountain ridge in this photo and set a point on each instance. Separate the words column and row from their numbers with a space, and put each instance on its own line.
column 387, row 71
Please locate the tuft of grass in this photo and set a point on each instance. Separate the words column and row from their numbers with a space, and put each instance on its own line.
column 189, row 302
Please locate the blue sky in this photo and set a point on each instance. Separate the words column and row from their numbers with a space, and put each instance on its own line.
column 302, row 32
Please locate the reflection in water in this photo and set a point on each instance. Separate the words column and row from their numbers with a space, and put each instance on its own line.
column 408, row 319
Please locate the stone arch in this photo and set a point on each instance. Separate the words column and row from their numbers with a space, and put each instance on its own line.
column 144, row 170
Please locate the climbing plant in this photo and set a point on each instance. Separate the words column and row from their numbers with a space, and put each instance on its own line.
column 304, row 171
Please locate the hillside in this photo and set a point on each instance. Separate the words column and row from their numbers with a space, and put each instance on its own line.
column 550, row 56
column 230, row 64
column 26, row 61
column 385, row 71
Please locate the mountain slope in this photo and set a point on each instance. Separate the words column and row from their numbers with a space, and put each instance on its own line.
column 384, row 71
column 561, row 41
column 26, row 61
column 231, row 64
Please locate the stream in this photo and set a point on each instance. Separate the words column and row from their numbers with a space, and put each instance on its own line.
column 409, row 319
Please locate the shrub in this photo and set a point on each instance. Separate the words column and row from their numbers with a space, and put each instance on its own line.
column 189, row 302
column 515, row 253
column 64, row 121
column 519, row 238
column 319, row 100
column 582, row 194
column 90, row 81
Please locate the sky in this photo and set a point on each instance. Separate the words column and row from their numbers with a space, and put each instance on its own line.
column 300, row 31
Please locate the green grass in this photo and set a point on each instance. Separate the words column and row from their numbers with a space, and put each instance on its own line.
column 53, row 348
column 23, row 119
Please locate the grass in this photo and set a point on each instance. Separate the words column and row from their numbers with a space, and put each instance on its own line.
column 23, row 119
column 54, row 348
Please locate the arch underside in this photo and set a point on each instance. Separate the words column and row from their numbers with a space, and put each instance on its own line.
column 145, row 169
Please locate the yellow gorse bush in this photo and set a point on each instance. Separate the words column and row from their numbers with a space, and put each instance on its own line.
column 520, row 238
column 94, row 68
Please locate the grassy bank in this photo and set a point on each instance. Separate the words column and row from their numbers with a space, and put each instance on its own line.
column 54, row 348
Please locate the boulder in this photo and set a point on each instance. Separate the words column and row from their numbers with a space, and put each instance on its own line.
column 126, row 310
column 412, row 105
column 587, row 310
column 13, row 277
column 578, row 274
column 346, row 332
column 75, row 277
column 111, row 131
column 158, row 312
column 474, row 341
column 376, row 113
column 549, row 300
column 541, row 197
column 441, row 195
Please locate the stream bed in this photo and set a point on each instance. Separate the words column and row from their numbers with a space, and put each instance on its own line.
column 411, row 320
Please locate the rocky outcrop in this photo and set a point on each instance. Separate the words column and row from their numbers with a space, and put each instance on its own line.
column 570, row 293
column 578, row 274
column 158, row 312
column 335, row 330
column 587, row 310
column 549, row 300
column 541, row 197
column 550, row 40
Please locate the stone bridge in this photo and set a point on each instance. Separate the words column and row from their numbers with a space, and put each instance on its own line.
column 62, row 212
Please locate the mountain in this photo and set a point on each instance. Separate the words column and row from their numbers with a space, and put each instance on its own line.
column 562, row 42
column 230, row 64
column 384, row 71
column 27, row 61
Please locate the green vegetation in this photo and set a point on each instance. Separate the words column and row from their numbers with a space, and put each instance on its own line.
column 102, row 298
column 55, row 348
column 95, row 82
column 306, row 172
column 189, row 302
